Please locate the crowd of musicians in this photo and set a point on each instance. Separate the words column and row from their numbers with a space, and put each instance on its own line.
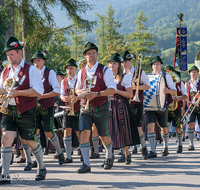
column 101, row 106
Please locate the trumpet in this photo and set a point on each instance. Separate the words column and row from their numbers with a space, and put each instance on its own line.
column 137, row 79
column 10, row 82
column 91, row 81
column 71, row 104
column 190, row 110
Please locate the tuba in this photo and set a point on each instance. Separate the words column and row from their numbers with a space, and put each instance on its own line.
column 71, row 97
column 8, row 84
column 135, row 79
column 174, row 105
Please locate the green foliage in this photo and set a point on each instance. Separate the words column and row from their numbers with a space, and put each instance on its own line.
column 58, row 52
column 77, row 39
column 4, row 26
column 107, row 33
column 141, row 41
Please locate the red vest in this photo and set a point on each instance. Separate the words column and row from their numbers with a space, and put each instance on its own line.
column 190, row 98
column 23, row 103
column 47, row 102
column 77, row 104
column 179, row 93
column 140, row 91
column 100, row 85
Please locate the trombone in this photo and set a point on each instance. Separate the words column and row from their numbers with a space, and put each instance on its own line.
column 190, row 110
column 135, row 79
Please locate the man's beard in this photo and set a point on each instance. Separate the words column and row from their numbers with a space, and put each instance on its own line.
column 14, row 62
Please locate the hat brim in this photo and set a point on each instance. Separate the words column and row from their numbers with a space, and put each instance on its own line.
column 112, row 60
column 12, row 48
column 37, row 58
column 156, row 61
column 90, row 49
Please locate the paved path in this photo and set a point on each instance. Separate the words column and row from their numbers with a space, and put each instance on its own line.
column 176, row 171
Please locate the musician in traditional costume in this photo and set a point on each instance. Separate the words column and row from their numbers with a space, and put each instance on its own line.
column 46, row 102
column 161, row 116
column 192, row 87
column 97, row 111
column 137, row 107
column 70, row 121
column 174, row 110
column 123, row 127
column 20, row 114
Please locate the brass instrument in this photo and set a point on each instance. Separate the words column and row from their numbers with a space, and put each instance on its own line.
column 174, row 105
column 71, row 104
column 190, row 109
column 10, row 82
column 139, row 60
column 82, row 63
column 91, row 82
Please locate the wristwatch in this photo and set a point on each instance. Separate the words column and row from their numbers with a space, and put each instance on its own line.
column 99, row 94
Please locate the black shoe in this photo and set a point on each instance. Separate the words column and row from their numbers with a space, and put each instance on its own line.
column 183, row 139
column 41, row 174
column 108, row 164
column 152, row 155
column 186, row 137
column 174, row 135
column 190, row 148
column 34, row 164
column 94, row 156
column 164, row 152
column 55, row 156
column 122, row 159
column 134, row 150
column 4, row 180
column 84, row 169
column 61, row 158
column 67, row 160
column 11, row 162
column 197, row 139
column 46, row 151
column 28, row 167
column 144, row 153
column 120, row 152
column 22, row 160
column 128, row 159
column 179, row 149
column 102, row 165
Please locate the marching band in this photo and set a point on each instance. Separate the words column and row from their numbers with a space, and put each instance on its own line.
column 103, row 104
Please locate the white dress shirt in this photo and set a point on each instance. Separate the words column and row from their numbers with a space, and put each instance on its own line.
column 126, row 81
column 71, row 84
column 143, row 79
column 108, row 76
column 193, row 86
column 183, row 89
column 35, row 81
column 52, row 79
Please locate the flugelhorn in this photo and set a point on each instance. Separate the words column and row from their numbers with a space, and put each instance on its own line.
column 4, row 107
column 91, row 82
column 71, row 104
column 135, row 79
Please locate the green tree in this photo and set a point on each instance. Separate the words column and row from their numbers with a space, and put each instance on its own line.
column 142, row 41
column 107, row 32
column 5, row 19
column 77, row 39
column 58, row 52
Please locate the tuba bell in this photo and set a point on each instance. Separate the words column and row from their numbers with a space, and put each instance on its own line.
column 174, row 105
column 71, row 104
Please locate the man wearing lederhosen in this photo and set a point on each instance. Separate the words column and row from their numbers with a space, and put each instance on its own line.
column 46, row 102
column 22, row 108
column 98, row 112
column 70, row 122
column 192, row 86
column 175, row 116
column 161, row 116
column 137, row 107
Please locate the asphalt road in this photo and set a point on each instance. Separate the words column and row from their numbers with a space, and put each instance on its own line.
column 176, row 171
